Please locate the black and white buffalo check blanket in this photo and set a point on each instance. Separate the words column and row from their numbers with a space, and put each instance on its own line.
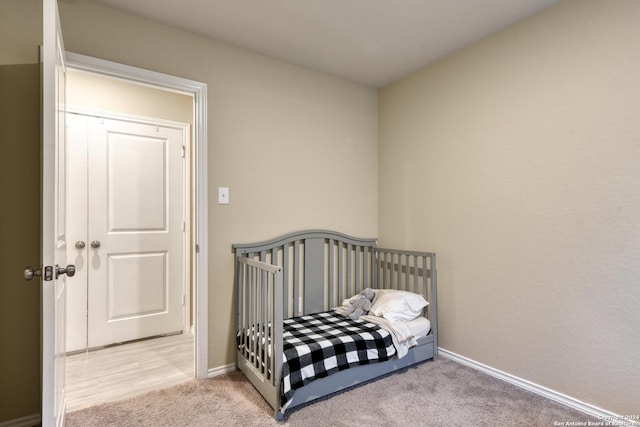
column 320, row 344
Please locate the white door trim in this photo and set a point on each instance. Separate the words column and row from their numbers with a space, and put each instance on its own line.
column 199, row 92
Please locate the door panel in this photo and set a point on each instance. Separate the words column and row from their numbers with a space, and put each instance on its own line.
column 150, row 297
column 137, row 177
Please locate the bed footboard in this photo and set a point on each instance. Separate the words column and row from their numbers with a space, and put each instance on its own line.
column 260, row 324
column 410, row 271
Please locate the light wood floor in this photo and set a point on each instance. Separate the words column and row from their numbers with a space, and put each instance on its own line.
column 124, row 371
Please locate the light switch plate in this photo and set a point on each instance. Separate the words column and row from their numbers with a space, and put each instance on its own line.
column 223, row 195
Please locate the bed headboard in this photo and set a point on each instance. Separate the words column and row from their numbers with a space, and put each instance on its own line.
column 321, row 268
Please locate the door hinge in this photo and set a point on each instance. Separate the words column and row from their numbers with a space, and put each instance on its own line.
column 184, row 226
column 183, row 299
column 184, row 151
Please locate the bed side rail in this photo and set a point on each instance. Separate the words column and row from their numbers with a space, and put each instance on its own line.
column 260, row 321
column 409, row 271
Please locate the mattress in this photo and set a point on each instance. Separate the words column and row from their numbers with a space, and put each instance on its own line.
column 419, row 327
column 320, row 344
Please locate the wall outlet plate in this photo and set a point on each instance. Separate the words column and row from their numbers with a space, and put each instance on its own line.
column 223, row 195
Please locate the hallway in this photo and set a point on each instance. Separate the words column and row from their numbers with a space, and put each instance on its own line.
column 124, row 371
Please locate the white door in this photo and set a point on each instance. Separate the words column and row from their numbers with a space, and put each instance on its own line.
column 133, row 257
column 54, row 261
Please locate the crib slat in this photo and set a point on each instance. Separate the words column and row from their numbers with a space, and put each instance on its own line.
column 341, row 290
column 285, row 279
column 296, row 278
column 333, row 300
column 407, row 277
column 259, row 320
column 356, row 252
column 387, row 274
column 270, row 338
column 252, row 315
column 349, row 262
column 277, row 327
column 251, row 310
column 271, row 372
column 240, row 278
column 365, row 267
column 398, row 266
column 425, row 277
column 379, row 269
column 242, row 307
column 416, row 274
column 374, row 267
column 248, row 311
column 273, row 261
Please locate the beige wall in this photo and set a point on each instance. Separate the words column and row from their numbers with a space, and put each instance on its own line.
column 297, row 148
column 94, row 92
column 517, row 161
column 19, row 240
column 20, row 35
column 20, row 31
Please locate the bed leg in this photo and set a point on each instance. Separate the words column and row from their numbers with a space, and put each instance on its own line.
column 279, row 415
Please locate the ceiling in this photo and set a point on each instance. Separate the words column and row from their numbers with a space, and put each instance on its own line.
column 371, row 42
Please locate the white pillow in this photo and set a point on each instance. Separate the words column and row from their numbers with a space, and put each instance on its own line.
column 396, row 305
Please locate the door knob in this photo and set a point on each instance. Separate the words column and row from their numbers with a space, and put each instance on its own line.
column 69, row 270
column 30, row 273
column 95, row 244
column 80, row 244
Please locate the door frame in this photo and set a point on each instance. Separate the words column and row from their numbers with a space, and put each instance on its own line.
column 199, row 262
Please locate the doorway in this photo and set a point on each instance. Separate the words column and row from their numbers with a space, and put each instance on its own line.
column 196, row 269
column 127, row 223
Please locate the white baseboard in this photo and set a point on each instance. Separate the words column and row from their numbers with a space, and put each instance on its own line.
column 594, row 411
column 220, row 370
column 28, row 421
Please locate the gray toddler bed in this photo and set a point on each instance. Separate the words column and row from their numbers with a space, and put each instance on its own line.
column 309, row 272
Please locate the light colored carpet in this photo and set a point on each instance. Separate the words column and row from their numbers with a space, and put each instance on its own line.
column 440, row 393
